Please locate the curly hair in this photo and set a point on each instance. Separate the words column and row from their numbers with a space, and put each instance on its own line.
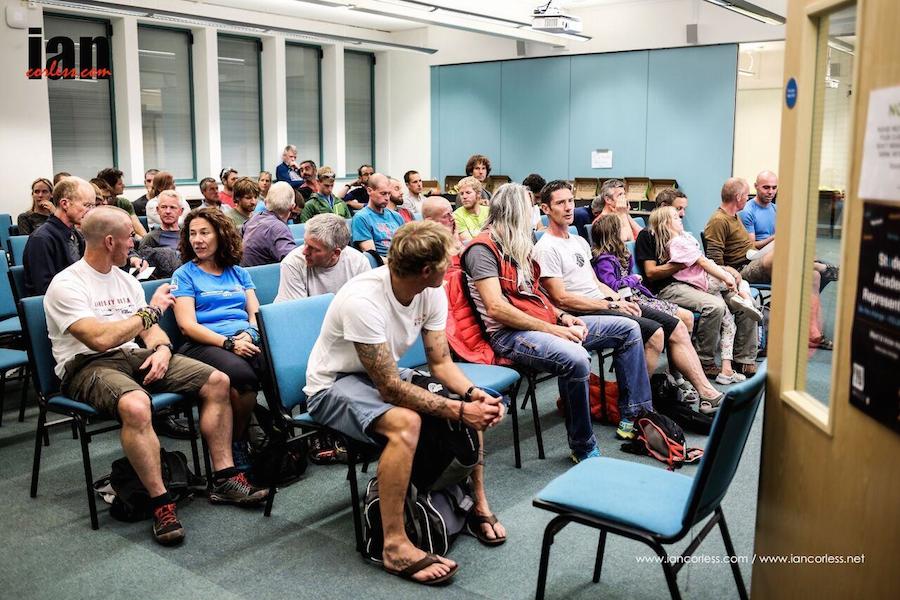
column 475, row 160
column 229, row 245
column 606, row 236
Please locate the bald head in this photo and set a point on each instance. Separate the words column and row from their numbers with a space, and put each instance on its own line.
column 104, row 221
column 379, row 187
column 434, row 206
column 766, row 187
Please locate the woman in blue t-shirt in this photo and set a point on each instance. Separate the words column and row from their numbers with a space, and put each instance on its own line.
column 215, row 307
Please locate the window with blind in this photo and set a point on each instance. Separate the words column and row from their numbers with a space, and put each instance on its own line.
column 81, row 110
column 304, row 106
column 240, row 112
column 359, row 121
column 167, row 111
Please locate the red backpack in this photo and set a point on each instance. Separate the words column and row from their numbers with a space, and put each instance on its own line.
column 663, row 439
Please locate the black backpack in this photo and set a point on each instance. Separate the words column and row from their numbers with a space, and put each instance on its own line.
column 131, row 501
column 432, row 519
column 668, row 400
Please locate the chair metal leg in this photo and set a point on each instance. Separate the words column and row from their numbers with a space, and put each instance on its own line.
column 537, row 421
column 598, row 562
column 729, row 548
column 88, row 476
column 192, row 426
column 74, row 431
column 25, row 375
column 553, row 527
column 514, row 414
column 532, row 381
column 668, row 571
column 40, row 435
column 2, row 394
column 354, row 499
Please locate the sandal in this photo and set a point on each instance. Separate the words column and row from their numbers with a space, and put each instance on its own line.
column 822, row 342
column 417, row 566
column 473, row 528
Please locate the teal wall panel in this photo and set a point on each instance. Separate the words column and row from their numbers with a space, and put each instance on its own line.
column 609, row 111
column 690, row 123
column 534, row 119
column 469, row 120
column 435, row 119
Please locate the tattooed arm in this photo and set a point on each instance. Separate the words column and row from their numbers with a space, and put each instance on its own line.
column 441, row 364
column 380, row 365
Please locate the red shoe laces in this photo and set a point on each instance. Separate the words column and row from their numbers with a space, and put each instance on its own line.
column 165, row 514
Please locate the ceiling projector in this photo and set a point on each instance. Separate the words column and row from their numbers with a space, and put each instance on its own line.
column 551, row 19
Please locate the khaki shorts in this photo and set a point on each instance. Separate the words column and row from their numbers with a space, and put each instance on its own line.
column 101, row 379
column 754, row 272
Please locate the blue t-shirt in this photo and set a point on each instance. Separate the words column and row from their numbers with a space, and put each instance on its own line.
column 220, row 301
column 369, row 225
column 758, row 220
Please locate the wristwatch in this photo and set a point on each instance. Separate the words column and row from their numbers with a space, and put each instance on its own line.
column 169, row 346
column 228, row 344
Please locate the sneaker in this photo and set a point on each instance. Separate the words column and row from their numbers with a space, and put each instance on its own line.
column 710, row 406
column 746, row 306
column 735, row 377
column 237, row 490
column 577, row 457
column 167, row 529
column 625, row 430
column 240, row 453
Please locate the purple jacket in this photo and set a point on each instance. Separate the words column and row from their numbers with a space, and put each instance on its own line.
column 609, row 271
column 267, row 240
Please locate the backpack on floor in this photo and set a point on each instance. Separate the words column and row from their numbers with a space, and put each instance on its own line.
column 661, row 437
column 130, row 500
column 668, row 400
column 432, row 519
column 271, row 458
column 604, row 407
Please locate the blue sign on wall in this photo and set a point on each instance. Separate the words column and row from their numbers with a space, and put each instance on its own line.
column 790, row 93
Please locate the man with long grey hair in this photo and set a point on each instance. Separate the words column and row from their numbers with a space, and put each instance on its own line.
column 524, row 326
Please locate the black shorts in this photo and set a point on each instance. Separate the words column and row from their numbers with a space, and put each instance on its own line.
column 650, row 321
column 244, row 373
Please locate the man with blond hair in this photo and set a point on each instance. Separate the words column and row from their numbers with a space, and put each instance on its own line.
column 354, row 385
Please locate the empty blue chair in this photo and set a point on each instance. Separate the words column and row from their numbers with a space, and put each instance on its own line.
column 51, row 400
column 650, row 504
column 297, row 229
column 266, row 278
column 17, row 247
column 17, row 283
column 287, row 350
column 9, row 318
column 13, row 359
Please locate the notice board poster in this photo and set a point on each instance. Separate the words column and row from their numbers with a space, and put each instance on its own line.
column 875, row 350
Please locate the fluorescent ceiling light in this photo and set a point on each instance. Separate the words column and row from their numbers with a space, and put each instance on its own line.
column 97, row 7
column 750, row 10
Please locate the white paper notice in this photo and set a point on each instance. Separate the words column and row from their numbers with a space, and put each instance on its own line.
column 601, row 159
column 880, row 176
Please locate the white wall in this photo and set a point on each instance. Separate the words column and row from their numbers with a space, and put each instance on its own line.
column 757, row 127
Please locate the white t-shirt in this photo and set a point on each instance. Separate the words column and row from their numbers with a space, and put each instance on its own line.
column 535, row 216
column 79, row 292
column 153, row 214
column 569, row 259
column 366, row 311
column 300, row 281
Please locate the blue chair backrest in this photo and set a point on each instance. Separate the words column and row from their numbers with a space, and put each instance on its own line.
column 373, row 262
column 297, row 229
column 17, row 281
column 587, row 230
column 7, row 299
column 266, row 278
column 17, row 247
column 635, row 270
column 538, row 235
column 298, row 241
column 167, row 322
column 545, row 220
column 417, row 216
column 145, row 223
column 34, row 324
column 5, row 224
column 729, row 434
column 640, row 221
column 288, row 347
column 415, row 356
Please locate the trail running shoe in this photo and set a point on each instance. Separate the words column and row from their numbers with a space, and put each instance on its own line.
column 237, row 490
column 167, row 529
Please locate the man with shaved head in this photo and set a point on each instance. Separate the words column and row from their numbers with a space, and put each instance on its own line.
column 438, row 208
column 758, row 217
column 374, row 226
column 94, row 313
column 51, row 249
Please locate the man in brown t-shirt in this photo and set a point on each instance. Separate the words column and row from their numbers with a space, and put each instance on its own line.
column 727, row 242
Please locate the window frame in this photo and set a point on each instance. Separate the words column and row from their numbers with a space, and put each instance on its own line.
column 320, row 53
column 190, row 56
column 371, row 56
column 259, row 87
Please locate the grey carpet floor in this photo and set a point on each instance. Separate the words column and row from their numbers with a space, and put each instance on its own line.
column 306, row 549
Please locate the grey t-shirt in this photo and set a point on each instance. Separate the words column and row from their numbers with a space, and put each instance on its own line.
column 480, row 263
column 300, row 281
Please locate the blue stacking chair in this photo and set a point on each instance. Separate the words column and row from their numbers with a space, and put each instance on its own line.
column 297, row 230
column 167, row 321
column 50, row 400
column 5, row 225
column 640, row 221
column 653, row 505
column 374, row 261
column 11, row 326
column 493, row 377
column 16, row 283
column 17, row 247
column 287, row 351
column 545, row 220
column 9, row 318
column 144, row 222
column 266, row 278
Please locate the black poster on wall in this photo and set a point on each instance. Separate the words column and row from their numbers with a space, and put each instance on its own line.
column 875, row 350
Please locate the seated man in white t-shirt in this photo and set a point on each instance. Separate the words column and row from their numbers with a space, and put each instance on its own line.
column 94, row 312
column 324, row 263
column 354, row 385
column 570, row 281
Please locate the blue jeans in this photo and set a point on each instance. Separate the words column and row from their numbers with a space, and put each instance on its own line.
column 571, row 362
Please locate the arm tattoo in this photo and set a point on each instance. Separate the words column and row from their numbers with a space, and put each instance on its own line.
column 436, row 348
column 380, row 366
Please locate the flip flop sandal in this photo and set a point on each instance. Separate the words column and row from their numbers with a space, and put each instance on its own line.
column 473, row 528
column 822, row 342
column 417, row 566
